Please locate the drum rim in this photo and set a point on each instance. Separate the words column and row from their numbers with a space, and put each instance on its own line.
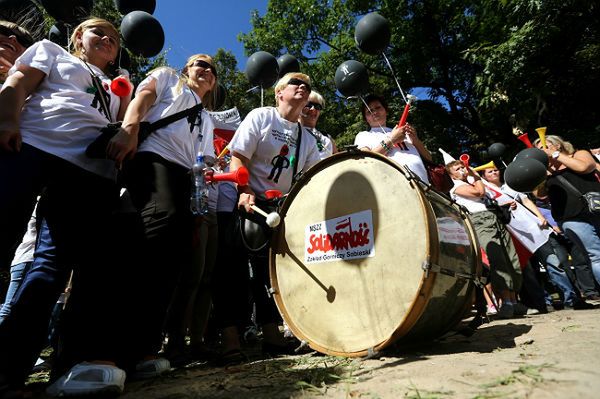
column 423, row 292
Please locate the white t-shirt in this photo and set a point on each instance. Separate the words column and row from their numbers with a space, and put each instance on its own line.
column 473, row 205
column 175, row 142
column 64, row 114
column 324, row 143
column 407, row 154
column 269, row 142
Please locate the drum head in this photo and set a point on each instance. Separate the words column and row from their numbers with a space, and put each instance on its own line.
column 354, row 238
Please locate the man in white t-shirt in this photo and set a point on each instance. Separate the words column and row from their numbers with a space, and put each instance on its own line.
column 400, row 143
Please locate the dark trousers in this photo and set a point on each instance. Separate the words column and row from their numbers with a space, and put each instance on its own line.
column 77, row 207
column 160, row 192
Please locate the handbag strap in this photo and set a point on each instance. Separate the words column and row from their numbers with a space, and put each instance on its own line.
column 569, row 186
column 101, row 93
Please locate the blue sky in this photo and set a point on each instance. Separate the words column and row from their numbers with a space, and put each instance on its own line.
column 199, row 26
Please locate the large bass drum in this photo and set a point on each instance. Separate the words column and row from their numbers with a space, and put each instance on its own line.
column 368, row 255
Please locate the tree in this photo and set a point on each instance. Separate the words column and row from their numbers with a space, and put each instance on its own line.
column 479, row 62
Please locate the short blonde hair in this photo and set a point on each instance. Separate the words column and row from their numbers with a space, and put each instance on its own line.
column 563, row 146
column 283, row 82
column 316, row 97
column 88, row 24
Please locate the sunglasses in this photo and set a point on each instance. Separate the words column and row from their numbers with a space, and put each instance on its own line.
column 205, row 65
column 312, row 105
column 298, row 82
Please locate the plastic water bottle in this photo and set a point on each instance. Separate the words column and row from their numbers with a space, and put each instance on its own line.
column 199, row 197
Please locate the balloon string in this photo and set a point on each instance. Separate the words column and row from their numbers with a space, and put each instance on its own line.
column 394, row 75
column 262, row 96
column 371, row 112
column 68, row 37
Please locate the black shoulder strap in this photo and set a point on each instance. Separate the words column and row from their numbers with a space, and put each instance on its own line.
column 175, row 117
column 297, row 154
column 569, row 186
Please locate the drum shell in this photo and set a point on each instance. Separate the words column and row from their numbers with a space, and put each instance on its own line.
column 433, row 302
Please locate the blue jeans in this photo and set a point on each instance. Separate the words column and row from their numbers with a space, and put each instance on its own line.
column 586, row 234
column 555, row 266
column 17, row 272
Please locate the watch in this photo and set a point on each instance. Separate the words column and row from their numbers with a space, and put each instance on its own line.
column 555, row 154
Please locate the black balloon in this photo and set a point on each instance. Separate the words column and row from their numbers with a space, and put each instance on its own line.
column 524, row 174
column 533, row 153
column 142, row 33
column 351, row 78
column 59, row 34
column 287, row 63
column 372, row 33
column 70, row 11
column 262, row 69
column 220, row 96
column 496, row 150
column 127, row 6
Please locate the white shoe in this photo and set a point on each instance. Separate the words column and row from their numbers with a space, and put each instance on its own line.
column 151, row 368
column 89, row 379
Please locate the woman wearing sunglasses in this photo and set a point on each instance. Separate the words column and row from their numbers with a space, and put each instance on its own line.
column 309, row 117
column 158, row 178
column 271, row 144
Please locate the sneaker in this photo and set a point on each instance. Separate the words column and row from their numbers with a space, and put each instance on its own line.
column 506, row 311
column 89, row 379
column 580, row 305
column 532, row 311
column 151, row 368
column 519, row 309
column 491, row 310
column 593, row 299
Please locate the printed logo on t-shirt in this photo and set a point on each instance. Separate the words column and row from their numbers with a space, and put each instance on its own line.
column 279, row 163
column 97, row 100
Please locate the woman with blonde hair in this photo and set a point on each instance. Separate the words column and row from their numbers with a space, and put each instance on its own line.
column 271, row 144
column 157, row 177
column 571, row 174
column 52, row 106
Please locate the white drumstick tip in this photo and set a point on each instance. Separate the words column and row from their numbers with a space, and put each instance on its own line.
column 273, row 219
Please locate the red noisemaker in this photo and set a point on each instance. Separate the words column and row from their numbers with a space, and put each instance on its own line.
column 270, row 194
column 525, row 139
column 240, row 177
column 121, row 86
column 464, row 158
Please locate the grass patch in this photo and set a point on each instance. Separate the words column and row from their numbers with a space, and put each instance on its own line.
column 570, row 328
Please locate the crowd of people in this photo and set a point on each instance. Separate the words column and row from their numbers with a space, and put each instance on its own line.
column 142, row 271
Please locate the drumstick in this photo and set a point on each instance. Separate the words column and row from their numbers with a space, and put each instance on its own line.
column 273, row 218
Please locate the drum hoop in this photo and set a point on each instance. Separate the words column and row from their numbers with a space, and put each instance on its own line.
column 424, row 291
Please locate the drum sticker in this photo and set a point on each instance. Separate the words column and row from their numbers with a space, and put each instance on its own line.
column 343, row 238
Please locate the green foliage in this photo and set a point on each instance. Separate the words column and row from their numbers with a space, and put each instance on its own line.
column 478, row 61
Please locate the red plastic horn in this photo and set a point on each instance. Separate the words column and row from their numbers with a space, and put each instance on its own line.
column 120, row 86
column 270, row 194
column 464, row 158
column 525, row 139
column 239, row 177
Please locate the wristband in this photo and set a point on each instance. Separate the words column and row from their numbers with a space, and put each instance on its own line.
column 385, row 146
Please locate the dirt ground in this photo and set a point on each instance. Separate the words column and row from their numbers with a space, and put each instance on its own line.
column 542, row 356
